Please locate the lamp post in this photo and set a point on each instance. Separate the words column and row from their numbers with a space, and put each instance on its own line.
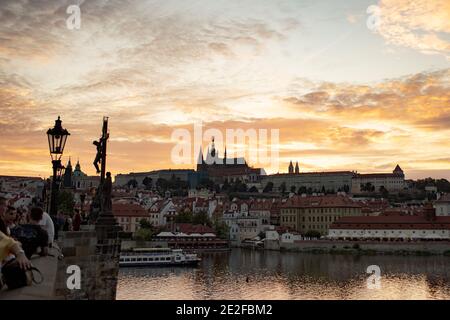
column 57, row 137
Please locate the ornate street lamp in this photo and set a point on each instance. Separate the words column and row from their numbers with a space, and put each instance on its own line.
column 57, row 137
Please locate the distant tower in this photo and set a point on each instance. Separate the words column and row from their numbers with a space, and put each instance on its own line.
column 297, row 169
column 212, row 157
column 225, row 156
column 398, row 171
column 78, row 166
column 200, row 160
column 291, row 168
column 67, row 180
column 213, row 149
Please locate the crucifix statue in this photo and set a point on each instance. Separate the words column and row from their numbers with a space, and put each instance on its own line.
column 101, row 150
column 102, row 204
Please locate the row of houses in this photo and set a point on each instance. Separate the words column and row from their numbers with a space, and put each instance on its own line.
column 327, row 215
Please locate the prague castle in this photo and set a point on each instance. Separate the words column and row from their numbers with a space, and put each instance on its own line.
column 232, row 169
column 334, row 181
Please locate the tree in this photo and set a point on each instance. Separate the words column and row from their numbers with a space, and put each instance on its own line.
column 143, row 234
column 293, row 189
column 312, row 234
column 206, row 183
column 201, row 218
column 145, row 224
column 302, row 190
column 222, row 230
column 147, row 182
column 66, row 202
column 226, row 186
column 268, row 187
column 184, row 217
column 283, row 187
column 161, row 185
column 368, row 187
column 240, row 186
column 384, row 192
column 132, row 183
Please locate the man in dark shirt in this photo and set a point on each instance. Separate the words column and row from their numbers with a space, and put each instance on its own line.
column 32, row 236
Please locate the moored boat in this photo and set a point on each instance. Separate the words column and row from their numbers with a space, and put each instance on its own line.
column 157, row 257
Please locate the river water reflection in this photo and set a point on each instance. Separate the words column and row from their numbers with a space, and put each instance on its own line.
column 247, row 274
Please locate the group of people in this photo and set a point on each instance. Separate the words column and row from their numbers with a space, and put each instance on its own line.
column 24, row 233
column 67, row 223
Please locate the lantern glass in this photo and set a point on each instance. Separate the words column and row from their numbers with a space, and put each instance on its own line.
column 60, row 172
column 57, row 137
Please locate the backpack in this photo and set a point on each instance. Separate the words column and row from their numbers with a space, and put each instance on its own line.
column 28, row 236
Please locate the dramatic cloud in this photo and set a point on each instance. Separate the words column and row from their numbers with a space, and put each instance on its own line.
column 417, row 24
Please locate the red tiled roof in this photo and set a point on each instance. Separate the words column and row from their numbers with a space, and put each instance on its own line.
column 377, row 175
column 128, row 210
column 201, row 203
column 328, row 201
column 261, row 205
column 444, row 198
column 158, row 205
column 281, row 229
column 189, row 228
column 391, row 222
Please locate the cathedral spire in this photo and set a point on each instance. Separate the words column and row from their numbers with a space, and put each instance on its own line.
column 213, row 148
column 200, row 156
column 291, row 167
column 78, row 166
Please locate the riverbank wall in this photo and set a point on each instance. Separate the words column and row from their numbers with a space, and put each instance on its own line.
column 362, row 247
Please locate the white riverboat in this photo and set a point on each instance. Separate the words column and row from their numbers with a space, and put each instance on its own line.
column 156, row 257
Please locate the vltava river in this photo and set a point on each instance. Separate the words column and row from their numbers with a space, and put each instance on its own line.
column 247, row 274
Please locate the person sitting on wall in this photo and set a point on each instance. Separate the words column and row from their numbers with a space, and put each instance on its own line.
column 32, row 236
column 11, row 248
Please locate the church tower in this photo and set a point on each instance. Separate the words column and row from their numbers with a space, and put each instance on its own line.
column 291, row 168
column 398, row 171
column 200, row 160
column 67, row 179
column 297, row 169
column 225, row 156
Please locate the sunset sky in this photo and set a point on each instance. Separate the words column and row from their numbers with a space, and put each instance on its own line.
column 344, row 96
